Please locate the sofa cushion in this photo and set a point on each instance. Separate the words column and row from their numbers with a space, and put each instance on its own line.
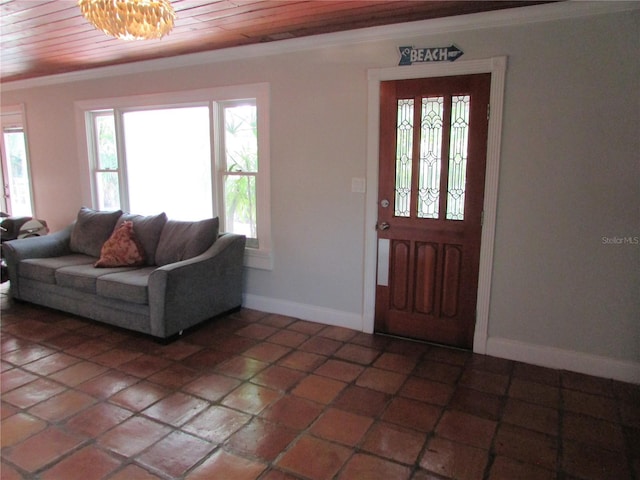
column 148, row 230
column 122, row 249
column 91, row 230
column 84, row 277
column 182, row 240
column 126, row 286
column 44, row 269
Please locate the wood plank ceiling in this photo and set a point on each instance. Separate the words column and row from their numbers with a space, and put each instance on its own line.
column 45, row 37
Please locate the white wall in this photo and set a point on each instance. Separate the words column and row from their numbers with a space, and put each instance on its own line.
column 570, row 174
column 571, row 179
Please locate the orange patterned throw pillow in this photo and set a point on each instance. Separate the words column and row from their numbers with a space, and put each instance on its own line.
column 122, row 249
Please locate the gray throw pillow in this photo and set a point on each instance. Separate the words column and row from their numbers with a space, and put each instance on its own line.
column 91, row 230
column 182, row 240
column 147, row 230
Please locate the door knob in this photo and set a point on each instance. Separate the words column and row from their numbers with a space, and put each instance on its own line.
column 383, row 226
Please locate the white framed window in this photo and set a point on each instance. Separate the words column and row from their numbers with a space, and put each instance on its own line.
column 15, row 174
column 237, row 163
column 191, row 154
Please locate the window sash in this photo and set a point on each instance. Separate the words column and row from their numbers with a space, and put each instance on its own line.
column 258, row 254
column 16, row 166
column 232, row 135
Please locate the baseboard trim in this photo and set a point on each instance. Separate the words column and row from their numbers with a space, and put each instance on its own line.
column 564, row 359
column 303, row 311
column 541, row 355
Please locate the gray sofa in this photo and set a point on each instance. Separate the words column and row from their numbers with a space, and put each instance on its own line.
column 186, row 272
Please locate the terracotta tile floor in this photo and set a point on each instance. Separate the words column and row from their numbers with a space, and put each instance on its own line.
column 260, row 396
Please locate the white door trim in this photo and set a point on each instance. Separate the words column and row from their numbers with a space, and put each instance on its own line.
column 497, row 66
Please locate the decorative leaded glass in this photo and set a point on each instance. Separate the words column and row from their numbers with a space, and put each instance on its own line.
column 404, row 157
column 458, row 153
column 430, row 157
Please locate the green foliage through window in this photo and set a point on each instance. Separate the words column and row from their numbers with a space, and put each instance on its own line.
column 241, row 167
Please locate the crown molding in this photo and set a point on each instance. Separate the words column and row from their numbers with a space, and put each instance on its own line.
column 477, row 21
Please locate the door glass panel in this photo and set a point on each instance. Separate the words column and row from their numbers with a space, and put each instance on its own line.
column 404, row 157
column 430, row 157
column 458, row 153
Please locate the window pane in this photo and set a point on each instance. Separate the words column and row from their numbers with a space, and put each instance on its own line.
column 108, row 190
column 168, row 162
column 458, row 153
column 18, row 174
column 106, row 142
column 240, row 207
column 404, row 157
column 241, row 138
column 430, row 157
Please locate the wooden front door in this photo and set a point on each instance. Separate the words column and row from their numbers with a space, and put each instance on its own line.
column 433, row 143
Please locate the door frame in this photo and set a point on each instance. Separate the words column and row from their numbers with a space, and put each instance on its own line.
column 497, row 67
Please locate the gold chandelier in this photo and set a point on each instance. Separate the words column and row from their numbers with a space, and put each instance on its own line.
column 130, row 19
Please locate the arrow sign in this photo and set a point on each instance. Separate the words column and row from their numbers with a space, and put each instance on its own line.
column 410, row 55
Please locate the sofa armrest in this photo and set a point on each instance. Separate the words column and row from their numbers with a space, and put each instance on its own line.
column 52, row 245
column 184, row 293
